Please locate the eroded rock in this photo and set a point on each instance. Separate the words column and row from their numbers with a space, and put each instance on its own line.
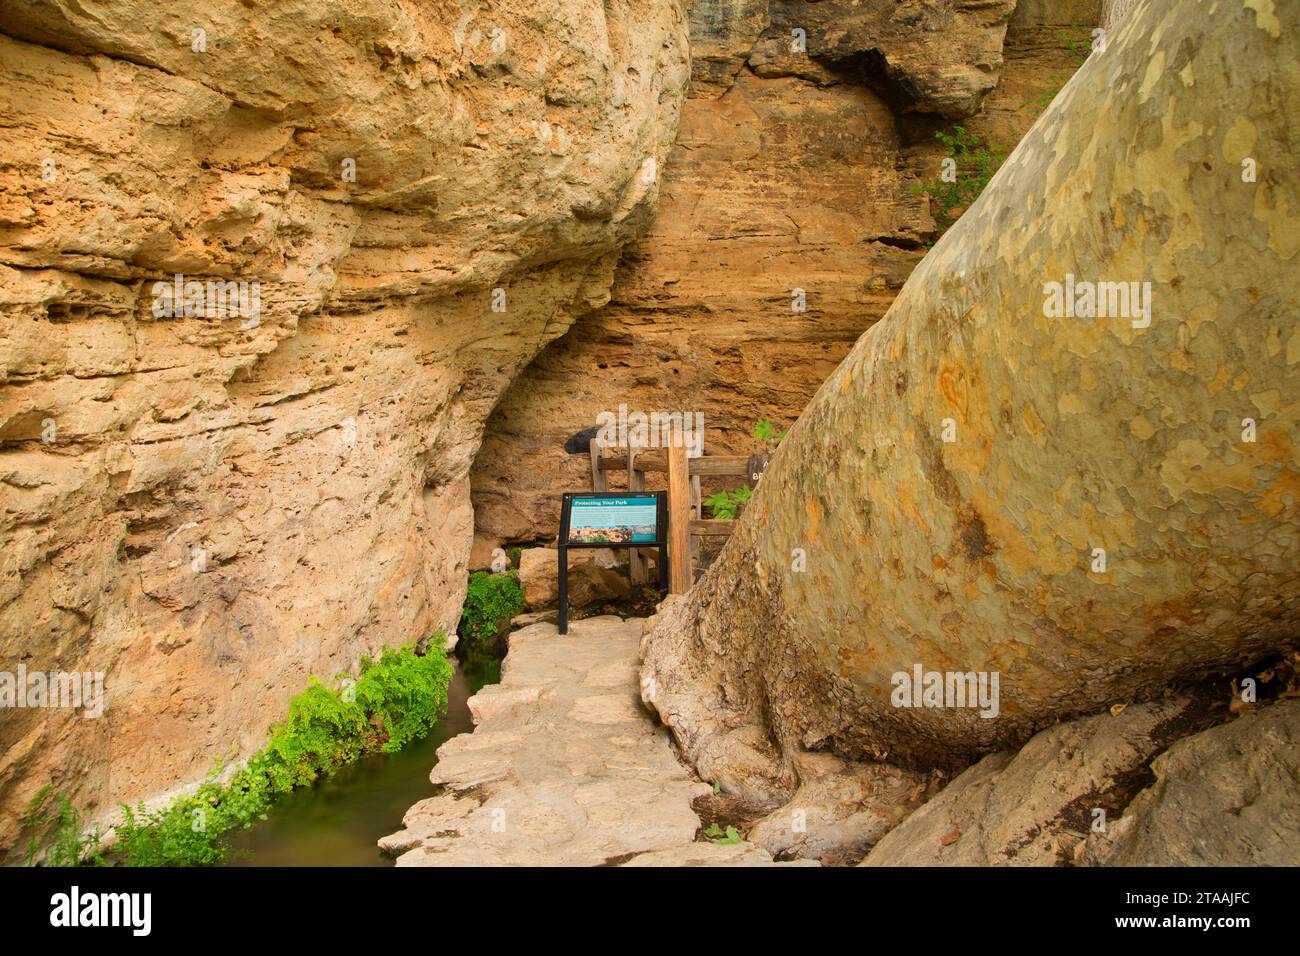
column 783, row 184
column 208, row 509
column 1224, row 797
column 1036, row 806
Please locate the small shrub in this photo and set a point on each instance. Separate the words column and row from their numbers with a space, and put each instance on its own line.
column 765, row 431
column 490, row 599
column 727, row 505
column 976, row 161
column 716, row 835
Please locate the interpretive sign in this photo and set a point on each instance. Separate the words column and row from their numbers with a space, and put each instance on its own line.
column 601, row 519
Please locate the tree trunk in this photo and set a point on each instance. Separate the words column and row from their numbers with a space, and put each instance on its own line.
column 1091, row 507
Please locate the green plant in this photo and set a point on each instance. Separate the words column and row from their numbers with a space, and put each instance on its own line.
column 975, row 159
column 404, row 695
column 1079, row 45
column 489, row 599
column 1047, row 94
column 727, row 505
column 716, row 835
column 73, row 844
column 393, row 701
column 765, row 431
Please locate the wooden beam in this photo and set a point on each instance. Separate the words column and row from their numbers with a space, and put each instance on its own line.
column 679, row 517
column 712, row 527
column 704, row 465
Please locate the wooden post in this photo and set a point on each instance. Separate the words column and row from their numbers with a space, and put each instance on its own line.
column 679, row 518
column 597, row 475
column 635, row 483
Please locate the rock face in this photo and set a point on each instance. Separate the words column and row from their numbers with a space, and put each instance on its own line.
column 540, row 575
column 786, row 175
column 1036, row 806
column 1089, row 508
column 929, row 56
column 1225, row 797
column 208, row 508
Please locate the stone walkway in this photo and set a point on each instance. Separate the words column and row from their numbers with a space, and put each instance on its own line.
column 564, row 768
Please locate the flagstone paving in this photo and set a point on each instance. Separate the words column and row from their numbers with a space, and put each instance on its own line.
column 564, row 768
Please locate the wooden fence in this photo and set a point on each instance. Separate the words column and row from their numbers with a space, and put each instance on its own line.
column 685, row 507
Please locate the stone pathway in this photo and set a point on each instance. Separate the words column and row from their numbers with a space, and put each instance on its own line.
column 564, row 768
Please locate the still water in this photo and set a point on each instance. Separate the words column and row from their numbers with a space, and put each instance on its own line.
column 337, row 822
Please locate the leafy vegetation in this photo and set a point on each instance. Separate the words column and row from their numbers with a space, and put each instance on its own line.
column 490, row 599
column 727, row 505
column 765, row 431
column 716, row 835
column 393, row 701
column 1079, row 47
column 952, row 192
column 73, row 843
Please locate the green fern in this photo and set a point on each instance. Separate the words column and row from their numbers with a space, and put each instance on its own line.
column 397, row 699
column 72, row 844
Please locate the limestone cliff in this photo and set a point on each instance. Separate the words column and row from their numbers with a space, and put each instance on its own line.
column 208, row 508
column 789, row 172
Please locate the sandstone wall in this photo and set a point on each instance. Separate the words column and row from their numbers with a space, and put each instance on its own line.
column 208, row 510
column 788, row 172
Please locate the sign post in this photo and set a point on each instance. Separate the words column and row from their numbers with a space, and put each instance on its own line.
column 604, row 519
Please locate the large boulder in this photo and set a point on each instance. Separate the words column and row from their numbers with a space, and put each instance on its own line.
column 1087, row 506
column 1036, row 806
column 590, row 584
column 539, row 573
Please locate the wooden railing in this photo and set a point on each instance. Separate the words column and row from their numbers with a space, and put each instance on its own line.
column 685, row 508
